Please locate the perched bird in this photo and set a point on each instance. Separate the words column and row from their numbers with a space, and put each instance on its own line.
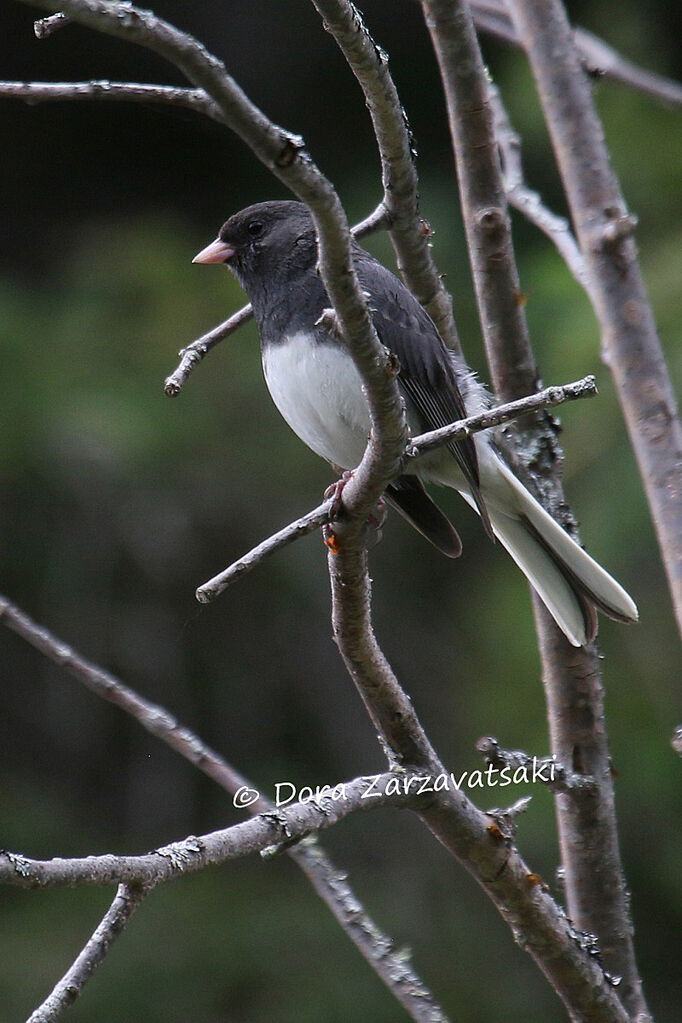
column 271, row 248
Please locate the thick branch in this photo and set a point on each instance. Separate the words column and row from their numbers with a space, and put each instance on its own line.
column 114, row 921
column 484, row 205
column 587, row 822
column 631, row 347
column 409, row 233
column 470, row 835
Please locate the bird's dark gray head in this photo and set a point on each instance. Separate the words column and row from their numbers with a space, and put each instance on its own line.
column 265, row 241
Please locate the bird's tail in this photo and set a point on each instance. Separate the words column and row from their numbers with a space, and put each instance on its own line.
column 570, row 583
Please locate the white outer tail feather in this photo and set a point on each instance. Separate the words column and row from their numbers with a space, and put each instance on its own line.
column 503, row 494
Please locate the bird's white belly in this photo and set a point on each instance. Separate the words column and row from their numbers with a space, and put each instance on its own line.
column 318, row 390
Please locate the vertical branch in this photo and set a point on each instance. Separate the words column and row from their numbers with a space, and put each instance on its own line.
column 483, row 199
column 369, row 64
column 596, row 894
column 631, row 347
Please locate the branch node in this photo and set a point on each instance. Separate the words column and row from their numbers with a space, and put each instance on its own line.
column 292, row 145
column 618, row 229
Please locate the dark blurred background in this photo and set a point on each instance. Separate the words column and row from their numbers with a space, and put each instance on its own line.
column 115, row 502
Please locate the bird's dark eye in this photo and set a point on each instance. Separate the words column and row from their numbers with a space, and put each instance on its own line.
column 255, row 227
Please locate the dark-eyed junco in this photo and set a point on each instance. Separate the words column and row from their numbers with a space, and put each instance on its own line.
column 272, row 250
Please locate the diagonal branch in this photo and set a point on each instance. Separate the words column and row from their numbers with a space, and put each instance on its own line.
column 463, row 428
column 599, row 58
column 527, row 201
column 114, row 921
column 329, row 883
column 272, row 828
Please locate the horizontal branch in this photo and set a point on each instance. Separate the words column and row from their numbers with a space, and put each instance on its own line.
column 102, row 89
column 275, row 827
column 549, row 397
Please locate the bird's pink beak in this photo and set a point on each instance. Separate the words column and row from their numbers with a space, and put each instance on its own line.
column 217, row 252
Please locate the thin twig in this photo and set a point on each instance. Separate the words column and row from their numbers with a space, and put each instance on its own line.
column 460, row 430
column 549, row 397
column 319, row 516
column 526, row 200
column 328, row 881
column 193, row 354
column 409, row 233
column 547, row 770
column 127, row 899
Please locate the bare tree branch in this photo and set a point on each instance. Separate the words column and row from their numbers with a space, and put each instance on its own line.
column 329, row 883
column 51, row 92
column 549, row 397
column 557, row 777
column 312, row 520
column 587, row 823
column 491, row 16
column 409, row 233
column 193, row 354
column 631, row 347
column 471, row 836
column 275, row 827
column 320, row 516
column 484, row 205
column 527, row 201
column 462, row 828
column 114, row 921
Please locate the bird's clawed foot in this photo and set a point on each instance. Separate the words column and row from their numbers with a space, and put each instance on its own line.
column 374, row 521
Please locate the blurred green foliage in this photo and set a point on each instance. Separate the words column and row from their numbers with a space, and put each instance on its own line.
column 115, row 502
